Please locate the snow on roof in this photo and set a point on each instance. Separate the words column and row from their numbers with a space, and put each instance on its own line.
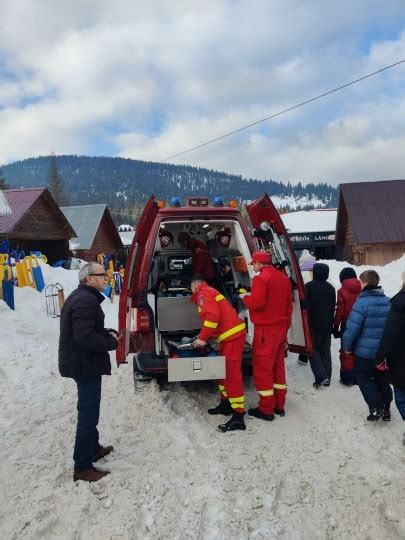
column 322, row 220
column 5, row 210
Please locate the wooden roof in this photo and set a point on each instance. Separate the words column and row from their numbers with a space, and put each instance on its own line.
column 375, row 211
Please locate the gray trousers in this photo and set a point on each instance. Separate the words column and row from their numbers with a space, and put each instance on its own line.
column 321, row 361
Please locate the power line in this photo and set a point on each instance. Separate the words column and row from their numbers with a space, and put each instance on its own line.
column 281, row 112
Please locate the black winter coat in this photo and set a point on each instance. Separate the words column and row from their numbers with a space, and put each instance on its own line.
column 392, row 346
column 321, row 297
column 84, row 342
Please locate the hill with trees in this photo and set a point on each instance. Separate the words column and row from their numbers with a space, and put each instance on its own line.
column 126, row 184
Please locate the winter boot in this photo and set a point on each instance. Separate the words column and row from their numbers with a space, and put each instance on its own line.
column 89, row 475
column 346, row 383
column 102, row 452
column 373, row 416
column 236, row 422
column 257, row 413
column 224, row 408
column 279, row 412
column 385, row 413
column 302, row 359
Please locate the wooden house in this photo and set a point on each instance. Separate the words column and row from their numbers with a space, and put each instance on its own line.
column 370, row 222
column 96, row 231
column 34, row 222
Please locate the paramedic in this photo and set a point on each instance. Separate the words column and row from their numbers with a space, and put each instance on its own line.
column 220, row 320
column 201, row 258
column 270, row 309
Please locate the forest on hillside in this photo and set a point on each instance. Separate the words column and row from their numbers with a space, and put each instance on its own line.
column 126, row 184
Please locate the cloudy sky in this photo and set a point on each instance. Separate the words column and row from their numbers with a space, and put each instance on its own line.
column 146, row 80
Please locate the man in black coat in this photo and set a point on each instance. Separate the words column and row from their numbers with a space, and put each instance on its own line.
column 392, row 348
column 83, row 356
column 321, row 297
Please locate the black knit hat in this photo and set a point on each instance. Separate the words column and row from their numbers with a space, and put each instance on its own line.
column 347, row 273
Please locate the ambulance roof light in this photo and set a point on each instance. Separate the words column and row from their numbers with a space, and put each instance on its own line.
column 218, row 201
column 175, row 201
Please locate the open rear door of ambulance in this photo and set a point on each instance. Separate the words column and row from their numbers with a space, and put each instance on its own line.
column 272, row 236
column 135, row 277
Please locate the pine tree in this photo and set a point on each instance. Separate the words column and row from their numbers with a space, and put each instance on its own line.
column 3, row 183
column 55, row 183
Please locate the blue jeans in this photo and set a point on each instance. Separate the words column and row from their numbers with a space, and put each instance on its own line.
column 400, row 401
column 374, row 384
column 88, row 413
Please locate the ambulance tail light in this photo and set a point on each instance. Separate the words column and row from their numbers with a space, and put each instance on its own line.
column 143, row 320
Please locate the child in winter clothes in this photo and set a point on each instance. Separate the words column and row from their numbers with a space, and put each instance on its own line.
column 346, row 296
column 392, row 348
column 321, row 308
column 364, row 330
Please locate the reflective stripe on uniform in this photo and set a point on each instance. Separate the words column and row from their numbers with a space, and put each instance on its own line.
column 219, row 297
column 266, row 392
column 231, row 332
column 279, row 386
column 237, row 402
column 210, row 324
column 222, row 390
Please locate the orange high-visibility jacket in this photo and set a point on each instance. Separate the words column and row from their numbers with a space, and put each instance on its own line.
column 219, row 318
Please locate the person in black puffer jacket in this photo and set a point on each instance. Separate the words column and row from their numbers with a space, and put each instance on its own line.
column 83, row 356
column 321, row 297
column 392, row 348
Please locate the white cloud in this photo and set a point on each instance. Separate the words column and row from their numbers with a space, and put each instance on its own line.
column 151, row 80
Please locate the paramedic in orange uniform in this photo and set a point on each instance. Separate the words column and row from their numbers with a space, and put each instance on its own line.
column 201, row 258
column 220, row 320
column 270, row 309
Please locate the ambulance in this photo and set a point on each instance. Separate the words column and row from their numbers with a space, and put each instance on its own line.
column 156, row 316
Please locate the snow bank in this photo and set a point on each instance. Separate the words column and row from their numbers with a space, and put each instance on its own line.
column 320, row 472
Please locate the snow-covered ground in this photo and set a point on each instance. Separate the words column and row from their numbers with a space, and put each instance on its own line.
column 321, row 472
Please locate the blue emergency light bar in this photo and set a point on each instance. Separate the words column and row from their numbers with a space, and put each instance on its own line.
column 175, row 201
column 218, row 201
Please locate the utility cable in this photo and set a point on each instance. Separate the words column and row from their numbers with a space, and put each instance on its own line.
column 225, row 135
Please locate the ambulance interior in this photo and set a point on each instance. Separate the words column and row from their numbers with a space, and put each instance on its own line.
column 169, row 293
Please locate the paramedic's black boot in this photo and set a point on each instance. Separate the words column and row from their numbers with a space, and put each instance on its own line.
column 257, row 413
column 279, row 412
column 224, row 408
column 235, row 423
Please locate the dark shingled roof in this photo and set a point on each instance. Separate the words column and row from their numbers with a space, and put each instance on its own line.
column 376, row 210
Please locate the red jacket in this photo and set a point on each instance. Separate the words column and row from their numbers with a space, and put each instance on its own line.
column 219, row 318
column 346, row 297
column 202, row 262
column 270, row 302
